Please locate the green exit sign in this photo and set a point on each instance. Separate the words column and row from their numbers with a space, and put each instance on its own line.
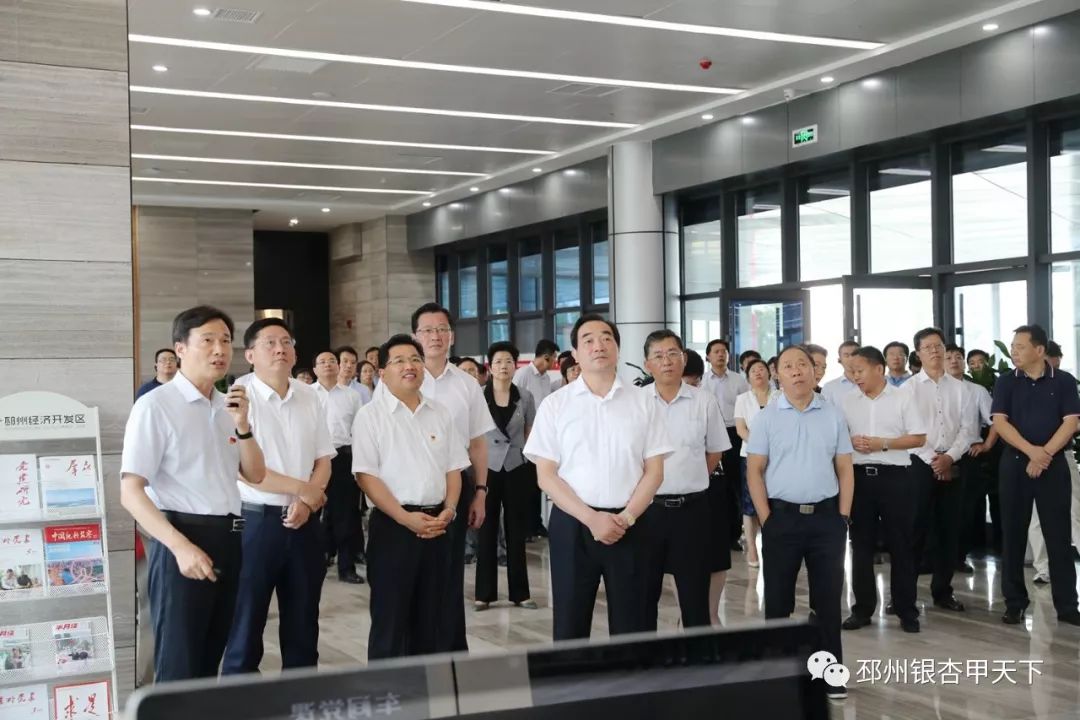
column 804, row 136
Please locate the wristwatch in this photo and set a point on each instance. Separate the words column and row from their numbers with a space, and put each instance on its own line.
column 245, row 436
column 481, row 487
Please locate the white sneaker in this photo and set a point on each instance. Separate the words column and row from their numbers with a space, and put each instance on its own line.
column 1041, row 579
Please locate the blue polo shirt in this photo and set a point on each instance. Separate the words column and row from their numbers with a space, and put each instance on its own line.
column 801, row 447
column 1036, row 407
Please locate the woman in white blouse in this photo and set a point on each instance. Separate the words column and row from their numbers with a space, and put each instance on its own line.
column 747, row 406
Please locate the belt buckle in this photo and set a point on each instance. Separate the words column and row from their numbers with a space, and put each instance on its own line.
column 806, row 509
column 284, row 511
column 870, row 471
column 238, row 524
column 674, row 502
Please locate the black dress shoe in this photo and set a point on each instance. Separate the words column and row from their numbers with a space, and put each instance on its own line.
column 1072, row 618
column 950, row 603
column 541, row 532
column 965, row 568
column 351, row 578
column 361, row 558
column 1013, row 617
column 911, row 625
column 854, row 622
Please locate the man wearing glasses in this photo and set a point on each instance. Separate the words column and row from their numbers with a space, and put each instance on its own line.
column 456, row 390
column 408, row 457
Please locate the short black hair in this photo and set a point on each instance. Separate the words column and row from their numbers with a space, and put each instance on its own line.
column 196, row 317
column 871, row 354
column 695, row 366
column 163, row 350
column 315, row 357
column 252, row 333
column 462, row 360
column 431, row 307
column 801, row 348
column 757, row 361
column 544, row 347
column 897, row 344
column 593, row 317
column 722, row 341
column 846, row 344
column 309, row 371
column 748, row 354
column 362, row 363
column 953, row 347
column 566, row 361
column 397, row 341
column 771, row 361
column 925, row 333
column 348, row 349
column 509, row 347
column 373, row 348
column 1053, row 349
column 659, row 336
column 1035, row 332
column 977, row 351
column 913, row 360
column 813, row 350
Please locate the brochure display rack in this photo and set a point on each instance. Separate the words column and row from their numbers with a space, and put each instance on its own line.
column 57, row 658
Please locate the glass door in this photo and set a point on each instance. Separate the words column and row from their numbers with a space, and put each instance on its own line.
column 766, row 321
column 988, row 307
column 885, row 309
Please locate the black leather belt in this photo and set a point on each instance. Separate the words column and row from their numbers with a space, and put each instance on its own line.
column 432, row 510
column 832, row 503
column 873, row 470
column 677, row 501
column 260, row 509
column 223, row 522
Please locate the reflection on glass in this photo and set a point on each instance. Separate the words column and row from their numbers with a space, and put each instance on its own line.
column 989, row 312
column 567, row 271
column 827, row 323
column 498, row 292
column 528, row 332
column 1065, row 189
column 1065, row 289
column 601, row 273
column 444, row 288
column 467, row 339
column 702, row 323
column 825, row 226
column 989, row 188
column 564, row 323
column 530, row 277
column 900, row 225
column 467, row 281
column 498, row 330
column 884, row 315
column 759, row 237
column 702, row 257
column 767, row 327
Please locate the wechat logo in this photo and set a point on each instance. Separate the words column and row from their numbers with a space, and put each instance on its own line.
column 822, row 665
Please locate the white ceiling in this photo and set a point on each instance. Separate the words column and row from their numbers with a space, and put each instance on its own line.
column 419, row 32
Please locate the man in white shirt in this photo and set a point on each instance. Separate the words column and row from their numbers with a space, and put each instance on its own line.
column 341, row 519
column 534, row 378
column 726, row 387
column 599, row 446
column 372, row 356
column 675, row 530
column 408, row 457
column 884, row 424
column 348, row 361
column 183, row 446
column 457, row 391
column 943, row 404
column 836, row 389
column 283, row 546
column 896, row 357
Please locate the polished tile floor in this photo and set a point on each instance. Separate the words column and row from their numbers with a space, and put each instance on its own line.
column 988, row 680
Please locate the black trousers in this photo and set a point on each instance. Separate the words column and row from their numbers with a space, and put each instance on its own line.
column 535, row 516
column 191, row 618
column 674, row 539
column 731, row 461
column 508, row 492
column 788, row 538
column 883, row 502
column 408, row 583
column 1051, row 493
column 577, row 565
column 341, row 515
column 453, row 602
column 980, row 476
column 937, row 525
column 286, row 562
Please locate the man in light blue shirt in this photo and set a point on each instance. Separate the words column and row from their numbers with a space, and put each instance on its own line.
column 896, row 357
column 837, row 389
column 799, row 468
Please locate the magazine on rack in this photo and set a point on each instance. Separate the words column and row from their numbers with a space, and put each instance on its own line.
column 19, row 485
column 15, row 649
column 69, row 483
column 28, row 702
column 21, row 567
column 73, row 555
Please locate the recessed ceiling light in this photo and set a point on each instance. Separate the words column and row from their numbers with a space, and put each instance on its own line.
column 474, row 189
column 376, row 108
column 293, row 222
column 418, row 65
column 990, row 27
column 638, row 22
column 281, row 186
column 161, row 68
column 538, row 170
column 707, row 116
column 313, row 166
column 326, row 210
column 427, row 204
column 828, row 79
column 349, row 141
column 202, row 12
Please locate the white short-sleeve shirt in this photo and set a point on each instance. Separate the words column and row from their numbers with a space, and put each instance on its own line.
column 600, row 444
column 944, row 408
column 458, row 392
column 185, row 446
column 837, row 389
column 696, row 427
column 410, row 452
column 292, row 433
column 747, row 408
column 726, row 388
column 341, row 405
column 891, row 414
column 537, row 383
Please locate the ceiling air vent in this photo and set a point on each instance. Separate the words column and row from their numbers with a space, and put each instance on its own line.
column 237, row 15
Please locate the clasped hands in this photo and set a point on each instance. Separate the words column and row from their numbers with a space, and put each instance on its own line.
column 608, row 528
column 866, row 444
column 1038, row 461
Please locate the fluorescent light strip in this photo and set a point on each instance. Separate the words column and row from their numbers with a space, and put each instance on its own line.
column 416, row 65
column 376, row 108
column 330, row 139
column 280, row 186
column 315, row 166
column 502, row 7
